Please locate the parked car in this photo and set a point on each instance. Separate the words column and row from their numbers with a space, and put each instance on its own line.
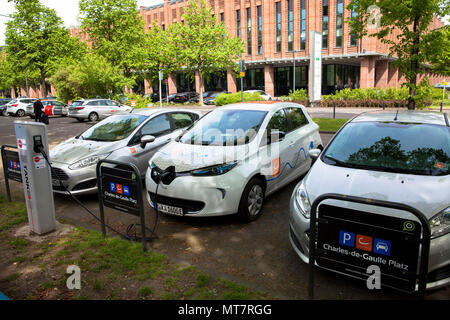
column 18, row 107
column 227, row 163
column 130, row 138
column 264, row 95
column 96, row 109
column 210, row 99
column 402, row 158
column 51, row 108
column 441, row 86
column 184, row 97
column 3, row 107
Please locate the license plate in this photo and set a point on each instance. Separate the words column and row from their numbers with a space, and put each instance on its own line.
column 174, row 211
column 56, row 182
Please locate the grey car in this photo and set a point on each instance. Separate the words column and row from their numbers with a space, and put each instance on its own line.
column 96, row 109
column 399, row 157
column 129, row 138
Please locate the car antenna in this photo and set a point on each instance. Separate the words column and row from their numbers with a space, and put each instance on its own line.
column 396, row 116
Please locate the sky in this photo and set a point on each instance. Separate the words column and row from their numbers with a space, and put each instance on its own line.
column 66, row 9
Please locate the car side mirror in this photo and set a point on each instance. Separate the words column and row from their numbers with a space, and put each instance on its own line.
column 146, row 140
column 315, row 154
column 276, row 136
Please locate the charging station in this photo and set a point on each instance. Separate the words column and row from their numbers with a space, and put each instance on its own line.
column 36, row 176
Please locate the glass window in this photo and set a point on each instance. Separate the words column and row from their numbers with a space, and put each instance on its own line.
column 278, row 25
column 353, row 40
column 290, row 26
column 259, row 14
column 339, row 16
column 181, row 120
column 93, row 103
column 278, row 122
column 238, row 23
column 114, row 128
column 249, row 31
column 157, row 126
column 297, row 118
column 420, row 149
column 302, row 24
column 325, row 24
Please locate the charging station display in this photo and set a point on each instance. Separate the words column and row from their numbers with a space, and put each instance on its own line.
column 350, row 241
column 120, row 190
column 12, row 165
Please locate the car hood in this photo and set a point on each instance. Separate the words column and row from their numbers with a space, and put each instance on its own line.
column 72, row 150
column 427, row 194
column 186, row 157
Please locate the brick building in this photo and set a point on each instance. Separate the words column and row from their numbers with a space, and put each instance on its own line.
column 276, row 31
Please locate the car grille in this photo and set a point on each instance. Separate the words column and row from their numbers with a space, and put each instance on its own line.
column 439, row 274
column 189, row 205
column 59, row 174
column 86, row 185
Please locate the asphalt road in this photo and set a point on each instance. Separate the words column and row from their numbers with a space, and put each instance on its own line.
column 257, row 254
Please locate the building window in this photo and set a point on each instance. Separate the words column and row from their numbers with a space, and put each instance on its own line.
column 163, row 27
column 249, row 31
column 259, row 14
column 339, row 16
column 222, row 17
column 325, row 24
column 290, row 26
column 302, row 24
column 353, row 40
column 278, row 25
column 238, row 23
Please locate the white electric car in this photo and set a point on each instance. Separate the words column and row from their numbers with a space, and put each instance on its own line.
column 231, row 159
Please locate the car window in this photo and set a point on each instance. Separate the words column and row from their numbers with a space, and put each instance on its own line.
column 278, row 122
column 93, row 103
column 114, row 128
column 296, row 117
column 182, row 120
column 77, row 103
column 157, row 126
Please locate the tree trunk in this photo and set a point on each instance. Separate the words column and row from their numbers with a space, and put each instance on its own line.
column 414, row 66
column 200, row 77
column 43, row 85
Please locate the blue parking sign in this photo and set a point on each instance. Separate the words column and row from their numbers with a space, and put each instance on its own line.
column 347, row 239
column 381, row 246
column 112, row 187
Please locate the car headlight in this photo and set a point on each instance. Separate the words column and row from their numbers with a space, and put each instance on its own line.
column 87, row 162
column 302, row 200
column 440, row 224
column 214, row 170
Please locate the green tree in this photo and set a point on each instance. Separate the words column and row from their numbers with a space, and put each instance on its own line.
column 205, row 46
column 35, row 39
column 92, row 76
column 415, row 44
column 115, row 30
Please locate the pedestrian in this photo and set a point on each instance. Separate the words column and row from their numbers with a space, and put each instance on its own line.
column 38, row 106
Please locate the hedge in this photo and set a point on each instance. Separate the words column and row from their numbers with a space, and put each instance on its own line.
column 230, row 98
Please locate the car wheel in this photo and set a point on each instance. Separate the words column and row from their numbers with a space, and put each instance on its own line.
column 4, row 113
column 93, row 117
column 20, row 113
column 80, row 120
column 252, row 200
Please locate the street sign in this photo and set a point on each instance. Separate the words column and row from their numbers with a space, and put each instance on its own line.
column 161, row 76
column 242, row 74
column 133, row 103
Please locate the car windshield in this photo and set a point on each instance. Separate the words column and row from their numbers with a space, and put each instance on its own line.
column 114, row 128
column 225, row 127
column 420, row 149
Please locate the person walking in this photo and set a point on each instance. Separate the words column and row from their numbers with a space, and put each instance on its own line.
column 38, row 106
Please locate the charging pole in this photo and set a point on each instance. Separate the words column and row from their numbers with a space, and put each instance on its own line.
column 36, row 177
column 444, row 83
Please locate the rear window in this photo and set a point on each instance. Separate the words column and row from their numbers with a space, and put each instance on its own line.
column 77, row 103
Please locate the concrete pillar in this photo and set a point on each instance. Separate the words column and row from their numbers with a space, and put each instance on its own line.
column 382, row 73
column 269, row 79
column 172, row 84
column 367, row 78
column 393, row 76
column 231, row 82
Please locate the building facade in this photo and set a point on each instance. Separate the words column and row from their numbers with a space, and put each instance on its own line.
column 275, row 32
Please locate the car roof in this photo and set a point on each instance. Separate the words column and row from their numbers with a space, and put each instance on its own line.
column 422, row 117
column 267, row 107
column 153, row 111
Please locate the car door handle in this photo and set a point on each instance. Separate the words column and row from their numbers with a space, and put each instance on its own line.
column 292, row 144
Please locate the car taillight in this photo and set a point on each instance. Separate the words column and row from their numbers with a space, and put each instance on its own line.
column 14, row 105
column 79, row 108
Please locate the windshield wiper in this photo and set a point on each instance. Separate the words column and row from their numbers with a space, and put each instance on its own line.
column 342, row 163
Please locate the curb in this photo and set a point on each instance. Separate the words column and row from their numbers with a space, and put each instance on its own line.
column 327, row 132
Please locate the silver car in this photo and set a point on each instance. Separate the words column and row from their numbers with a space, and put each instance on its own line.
column 401, row 158
column 96, row 109
column 130, row 138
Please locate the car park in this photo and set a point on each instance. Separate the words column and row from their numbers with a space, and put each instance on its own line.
column 231, row 159
column 51, row 108
column 401, row 157
column 18, row 107
column 3, row 107
column 130, row 138
column 96, row 109
column 264, row 95
column 184, row 97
